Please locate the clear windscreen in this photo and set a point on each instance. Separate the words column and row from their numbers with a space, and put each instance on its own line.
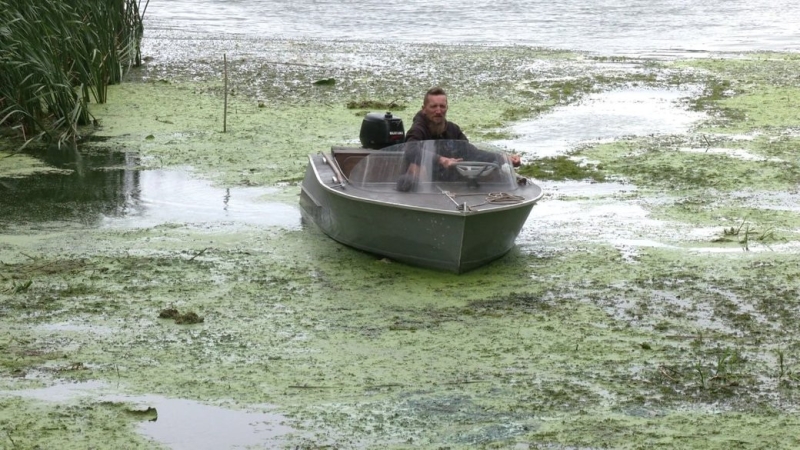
column 435, row 166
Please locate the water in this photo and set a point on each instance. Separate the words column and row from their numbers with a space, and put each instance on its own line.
column 604, row 117
column 178, row 424
column 601, row 26
column 109, row 190
column 175, row 196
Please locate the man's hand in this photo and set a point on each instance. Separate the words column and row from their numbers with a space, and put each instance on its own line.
column 515, row 160
column 448, row 162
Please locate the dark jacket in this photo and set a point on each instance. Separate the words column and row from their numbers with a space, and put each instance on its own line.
column 420, row 131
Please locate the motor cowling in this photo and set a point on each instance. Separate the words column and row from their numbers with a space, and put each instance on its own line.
column 379, row 130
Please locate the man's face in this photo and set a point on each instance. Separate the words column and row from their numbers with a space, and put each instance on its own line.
column 436, row 108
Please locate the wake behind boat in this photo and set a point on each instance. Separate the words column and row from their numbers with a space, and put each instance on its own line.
column 454, row 219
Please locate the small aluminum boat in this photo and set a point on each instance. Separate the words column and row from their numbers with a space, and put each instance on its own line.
column 454, row 219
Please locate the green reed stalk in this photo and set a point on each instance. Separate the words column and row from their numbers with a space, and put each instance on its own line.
column 55, row 57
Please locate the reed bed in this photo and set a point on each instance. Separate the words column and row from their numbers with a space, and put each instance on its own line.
column 56, row 57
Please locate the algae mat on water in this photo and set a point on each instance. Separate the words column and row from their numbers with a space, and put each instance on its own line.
column 573, row 340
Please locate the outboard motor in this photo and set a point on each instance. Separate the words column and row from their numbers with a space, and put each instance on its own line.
column 380, row 130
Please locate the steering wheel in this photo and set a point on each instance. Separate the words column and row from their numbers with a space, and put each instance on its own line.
column 474, row 169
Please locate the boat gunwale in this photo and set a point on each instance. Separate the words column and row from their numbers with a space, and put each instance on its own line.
column 344, row 182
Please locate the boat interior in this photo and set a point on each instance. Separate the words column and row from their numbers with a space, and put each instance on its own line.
column 380, row 170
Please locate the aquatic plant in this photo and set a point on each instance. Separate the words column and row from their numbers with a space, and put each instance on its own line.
column 57, row 56
column 561, row 168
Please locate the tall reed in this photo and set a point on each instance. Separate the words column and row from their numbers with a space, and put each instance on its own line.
column 57, row 56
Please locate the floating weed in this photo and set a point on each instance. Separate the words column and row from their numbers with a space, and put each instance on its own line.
column 325, row 82
column 657, row 163
column 518, row 113
column 711, row 376
column 43, row 267
column 375, row 105
column 764, row 237
column 752, row 93
column 187, row 318
column 559, row 168
column 567, row 91
column 714, row 91
column 19, row 287
column 722, row 370
column 147, row 413
column 550, row 347
column 20, row 354
column 23, row 421
column 169, row 313
column 787, row 376
column 733, row 231
column 728, row 234
column 768, row 235
column 76, row 290
column 494, row 135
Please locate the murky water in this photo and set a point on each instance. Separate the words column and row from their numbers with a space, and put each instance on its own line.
column 603, row 117
column 109, row 190
column 174, row 196
column 605, row 26
column 178, row 424
column 184, row 424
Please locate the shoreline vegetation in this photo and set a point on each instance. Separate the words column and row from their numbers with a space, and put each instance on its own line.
column 56, row 57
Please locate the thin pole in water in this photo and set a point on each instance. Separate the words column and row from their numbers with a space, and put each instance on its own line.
column 225, row 109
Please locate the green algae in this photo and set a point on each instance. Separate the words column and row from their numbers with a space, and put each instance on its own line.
column 273, row 126
column 262, row 145
column 560, row 168
column 681, row 430
column 372, row 105
column 661, row 164
column 754, row 92
column 711, row 188
column 74, row 425
column 382, row 344
column 767, row 107
column 17, row 165
column 576, row 344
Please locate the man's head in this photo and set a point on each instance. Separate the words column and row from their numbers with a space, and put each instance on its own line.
column 434, row 108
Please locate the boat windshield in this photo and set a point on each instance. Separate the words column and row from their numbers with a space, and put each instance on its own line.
column 417, row 167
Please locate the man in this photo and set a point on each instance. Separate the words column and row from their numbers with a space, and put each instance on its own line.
column 431, row 123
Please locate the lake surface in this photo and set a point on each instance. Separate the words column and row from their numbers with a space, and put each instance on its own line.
column 601, row 26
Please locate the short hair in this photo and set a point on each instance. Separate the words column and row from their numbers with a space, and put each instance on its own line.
column 433, row 91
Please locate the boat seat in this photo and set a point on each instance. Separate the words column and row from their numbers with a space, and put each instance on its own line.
column 381, row 169
column 348, row 157
column 348, row 162
column 383, row 166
